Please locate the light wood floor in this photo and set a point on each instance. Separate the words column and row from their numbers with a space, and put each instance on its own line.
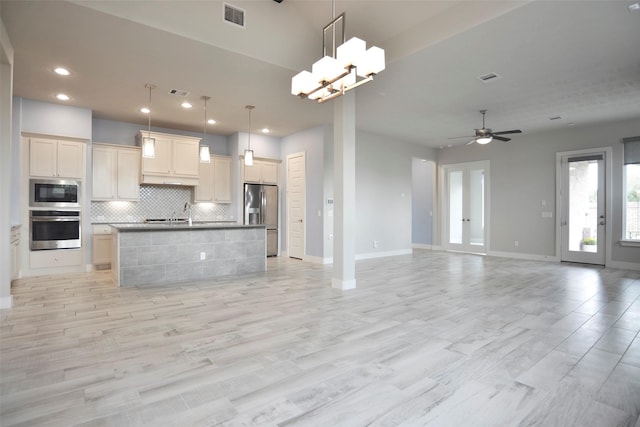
column 430, row 339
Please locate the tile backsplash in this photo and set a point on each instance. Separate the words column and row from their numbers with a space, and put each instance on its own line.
column 158, row 201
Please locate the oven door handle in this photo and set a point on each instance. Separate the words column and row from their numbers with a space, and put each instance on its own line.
column 54, row 218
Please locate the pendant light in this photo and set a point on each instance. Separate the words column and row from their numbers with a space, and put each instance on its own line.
column 205, row 154
column 248, row 153
column 149, row 143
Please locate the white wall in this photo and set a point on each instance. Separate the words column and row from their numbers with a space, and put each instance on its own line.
column 114, row 132
column 383, row 193
column 523, row 174
column 55, row 119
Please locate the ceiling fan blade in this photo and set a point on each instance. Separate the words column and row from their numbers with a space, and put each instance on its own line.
column 471, row 142
column 504, row 132
column 501, row 138
column 457, row 137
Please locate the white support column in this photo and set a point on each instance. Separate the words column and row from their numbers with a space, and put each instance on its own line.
column 6, row 168
column 344, row 181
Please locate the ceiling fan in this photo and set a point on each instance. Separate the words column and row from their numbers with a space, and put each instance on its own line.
column 486, row 135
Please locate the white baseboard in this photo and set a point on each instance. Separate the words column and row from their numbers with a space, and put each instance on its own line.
column 6, row 302
column 624, row 265
column 317, row 259
column 519, row 255
column 371, row 255
column 421, row 246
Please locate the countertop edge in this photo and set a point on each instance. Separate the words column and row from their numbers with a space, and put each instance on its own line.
column 169, row 227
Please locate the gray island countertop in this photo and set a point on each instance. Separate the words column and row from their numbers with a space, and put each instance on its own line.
column 141, row 226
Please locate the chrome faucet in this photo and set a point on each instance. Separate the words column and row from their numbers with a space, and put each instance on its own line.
column 187, row 209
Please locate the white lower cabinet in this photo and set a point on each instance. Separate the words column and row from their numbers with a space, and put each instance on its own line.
column 55, row 258
column 101, row 244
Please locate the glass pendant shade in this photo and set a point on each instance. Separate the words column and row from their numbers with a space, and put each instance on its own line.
column 372, row 62
column 326, row 69
column 248, row 157
column 149, row 143
column 484, row 140
column 148, row 147
column 350, row 52
column 303, row 83
column 205, row 154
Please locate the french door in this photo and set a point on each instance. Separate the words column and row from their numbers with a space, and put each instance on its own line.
column 583, row 209
column 466, row 212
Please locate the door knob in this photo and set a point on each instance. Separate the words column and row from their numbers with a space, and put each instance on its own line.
column 601, row 216
column 601, row 222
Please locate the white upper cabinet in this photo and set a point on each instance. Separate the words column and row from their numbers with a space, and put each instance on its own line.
column 222, row 179
column 263, row 171
column 116, row 172
column 56, row 158
column 215, row 181
column 176, row 160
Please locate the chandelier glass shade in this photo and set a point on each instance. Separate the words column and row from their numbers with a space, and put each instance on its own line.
column 350, row 65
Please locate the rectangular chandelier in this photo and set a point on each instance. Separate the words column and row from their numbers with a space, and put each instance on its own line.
column 350, row 65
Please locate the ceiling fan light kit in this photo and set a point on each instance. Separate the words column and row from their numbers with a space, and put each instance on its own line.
column 350, row 65
column 486, row 135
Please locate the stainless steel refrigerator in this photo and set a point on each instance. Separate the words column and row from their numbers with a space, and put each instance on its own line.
column 261, row 207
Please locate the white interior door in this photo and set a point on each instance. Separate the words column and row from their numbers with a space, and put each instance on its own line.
column 466, row 212
column 583, row 208
column 295, row 205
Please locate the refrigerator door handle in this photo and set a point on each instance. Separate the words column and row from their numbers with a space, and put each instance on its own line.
column 263, row 207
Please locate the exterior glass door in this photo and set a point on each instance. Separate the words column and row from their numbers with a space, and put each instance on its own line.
column 466, row 190
column 583, row 208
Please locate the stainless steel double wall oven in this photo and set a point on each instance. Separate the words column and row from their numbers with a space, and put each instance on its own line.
column 54, row 214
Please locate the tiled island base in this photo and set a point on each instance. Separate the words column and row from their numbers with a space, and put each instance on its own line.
column 159, row 254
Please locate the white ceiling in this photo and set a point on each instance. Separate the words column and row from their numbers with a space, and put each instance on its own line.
column 576, row 59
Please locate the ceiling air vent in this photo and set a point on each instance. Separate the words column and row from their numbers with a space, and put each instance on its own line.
column 489, row 77
column 178, row 92
column 233, row 15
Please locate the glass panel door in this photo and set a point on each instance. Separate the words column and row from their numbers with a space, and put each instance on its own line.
column 476, row 207
column 583, row 222
column 456, row 215
column 466, row 208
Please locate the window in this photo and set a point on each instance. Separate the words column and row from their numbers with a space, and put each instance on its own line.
column 631, row 188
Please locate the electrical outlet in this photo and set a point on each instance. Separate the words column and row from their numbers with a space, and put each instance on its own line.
column 203, row 256
column 516, row 243
column 375, row 244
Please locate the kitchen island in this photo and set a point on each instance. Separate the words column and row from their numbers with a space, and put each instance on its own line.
column 157, row 254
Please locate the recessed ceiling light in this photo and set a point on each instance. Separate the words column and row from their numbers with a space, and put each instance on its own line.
column 62, row 71
column 634, row 7
column 265, row 130
column 186, row 105
column 145, row 110
column 63, row 97
column 211, row 122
